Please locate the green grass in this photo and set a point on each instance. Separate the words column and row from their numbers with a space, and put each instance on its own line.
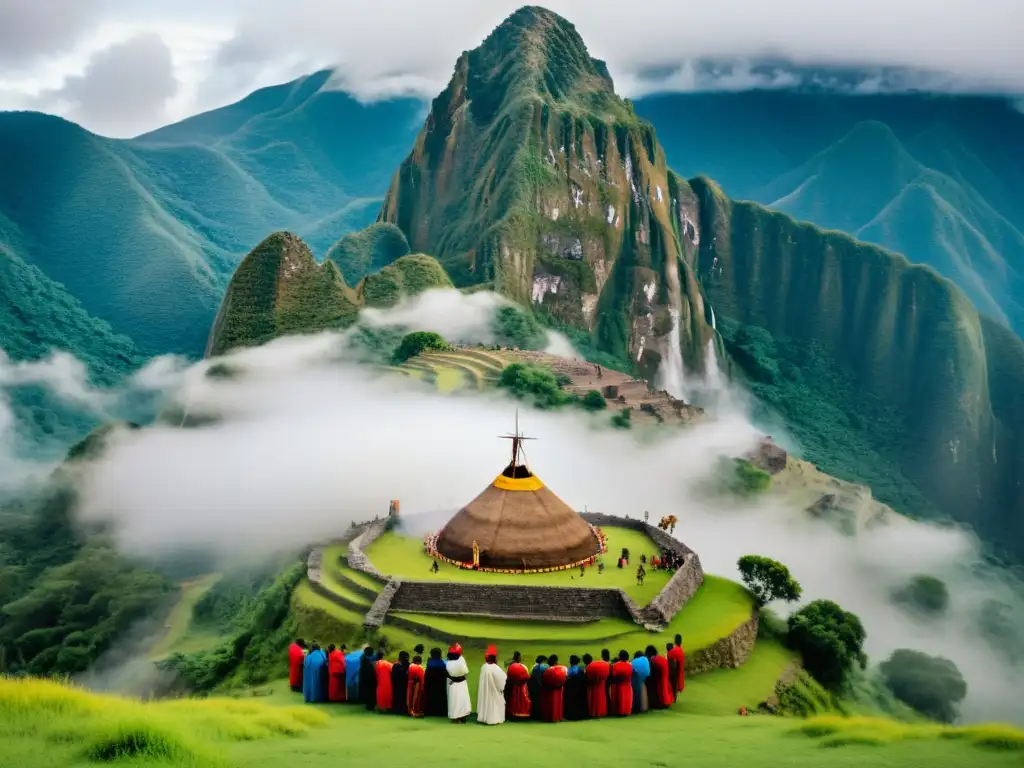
column 334, row 561
column 403, row 557
column 179, row 635
column 45, row 725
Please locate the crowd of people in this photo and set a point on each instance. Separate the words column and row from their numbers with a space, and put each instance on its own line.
column 549, row 692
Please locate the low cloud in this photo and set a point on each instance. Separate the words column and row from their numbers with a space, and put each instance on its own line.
column 31, row 30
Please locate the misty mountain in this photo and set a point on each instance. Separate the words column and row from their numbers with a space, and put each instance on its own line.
column 936, row 178
column 145, row 233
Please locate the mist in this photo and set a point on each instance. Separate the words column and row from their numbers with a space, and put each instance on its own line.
column 302, row 440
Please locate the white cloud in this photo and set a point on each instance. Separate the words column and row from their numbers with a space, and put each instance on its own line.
column 401, row 46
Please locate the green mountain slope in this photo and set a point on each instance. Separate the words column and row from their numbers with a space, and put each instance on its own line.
column 359, row 253
column 531, row 176
column 907, row 207
column 905, row 363
column 145, row 233
column 279, row 289
column 37, row 316
column 937, row 178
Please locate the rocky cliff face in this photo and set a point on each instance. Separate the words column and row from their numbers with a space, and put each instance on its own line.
column 530, row 175
column 947, row 380
column 279, row 289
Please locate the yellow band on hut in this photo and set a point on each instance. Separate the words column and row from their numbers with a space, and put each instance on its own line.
column 531, row 483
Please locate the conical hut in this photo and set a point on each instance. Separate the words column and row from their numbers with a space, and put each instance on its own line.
column 517, row 523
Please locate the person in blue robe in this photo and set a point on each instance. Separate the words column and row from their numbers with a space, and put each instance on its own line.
column 352, row 675
column 641, row 671
column 314, row 689
column 533, row 686
column 435, row 685
column 575, row 706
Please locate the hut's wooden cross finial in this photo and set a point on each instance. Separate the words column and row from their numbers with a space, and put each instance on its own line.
column 516, row 439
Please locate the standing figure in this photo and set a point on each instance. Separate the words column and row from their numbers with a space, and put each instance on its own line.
column 641, row 671
column 534, row 686
column 620, row 687
column 352, row 675
column 516, row 694
column 367, row 680
column 336, row 673
column 436, row 685
column 313, row 689
column 597, row 679
column 296, row 659
column 459, row 704
column 490, row 700
column 575, row 690
column 659, row 687
column 400, row 684
column 385, row 696
column 416, row 694
column 677, row 666
column 552, row 695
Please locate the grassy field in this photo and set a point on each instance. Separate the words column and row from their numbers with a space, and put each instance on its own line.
column 179, row 635
column 45, row 725
column 403, row 557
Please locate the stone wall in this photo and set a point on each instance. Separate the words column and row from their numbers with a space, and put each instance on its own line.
column 730, row 651
column 512, row 601
column 375, row 616
column 357, row 559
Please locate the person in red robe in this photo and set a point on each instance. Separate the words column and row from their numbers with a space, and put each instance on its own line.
column 552, row 693
column 659, row 687
column 621, row 686
column 517, row 697
column 296, row 659
column 677, row 666
column 335, row 673
column 416, row 690
column 384, row 690
column 597, row 683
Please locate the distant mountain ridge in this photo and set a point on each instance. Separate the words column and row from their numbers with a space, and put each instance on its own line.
column 146, row 233
column 937, row 178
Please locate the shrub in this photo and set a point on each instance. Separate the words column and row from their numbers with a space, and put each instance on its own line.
column 512, row 327
column 537, row 383
column 830, row 641
column 930, row 684
column 594, row 401
column 418, row 342
column 623, row 419
column 748, row 479
column 768, row 580
column 924, row 595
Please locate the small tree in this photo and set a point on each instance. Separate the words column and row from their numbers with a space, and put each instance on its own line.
column 924, row 595
column 417, row 342
column 594, row 401
column 930, row 684
column 768, row 580
column 830, row 641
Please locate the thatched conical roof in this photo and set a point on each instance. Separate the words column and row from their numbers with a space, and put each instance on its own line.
column 518, row 523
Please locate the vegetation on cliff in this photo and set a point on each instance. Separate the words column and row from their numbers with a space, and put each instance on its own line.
column 279, row 289
column 361, row 253
column 532, row 176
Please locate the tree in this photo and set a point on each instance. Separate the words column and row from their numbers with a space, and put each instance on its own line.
column 748, row 480
column 830, row 641
column 417, row 342
column 594, row 401
column 768, row 580
column 924, row 595
column 930, row 684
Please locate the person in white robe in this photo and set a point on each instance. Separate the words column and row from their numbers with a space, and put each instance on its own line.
column 459, row 705
column 490, row 700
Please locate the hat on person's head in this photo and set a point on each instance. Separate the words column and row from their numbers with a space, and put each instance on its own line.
column 456, row 649
column 491, row 651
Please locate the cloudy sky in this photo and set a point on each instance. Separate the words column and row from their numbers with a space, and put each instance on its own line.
column 121, row 67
